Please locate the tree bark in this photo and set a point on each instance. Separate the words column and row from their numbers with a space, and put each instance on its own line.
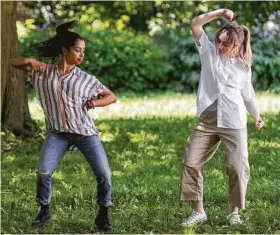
column 15, row 115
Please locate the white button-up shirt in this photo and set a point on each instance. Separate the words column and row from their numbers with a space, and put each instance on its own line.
column 225, row 80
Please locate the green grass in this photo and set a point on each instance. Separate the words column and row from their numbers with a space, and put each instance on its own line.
column 145, row 156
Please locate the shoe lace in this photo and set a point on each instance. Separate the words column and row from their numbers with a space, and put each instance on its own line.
column 192, row 215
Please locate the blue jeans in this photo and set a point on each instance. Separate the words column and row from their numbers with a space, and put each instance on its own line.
column 55, row 145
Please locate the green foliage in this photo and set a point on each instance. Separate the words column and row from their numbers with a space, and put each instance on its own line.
column 125, row 61
column 184, row 59
column 266, row 67
column 145, row 163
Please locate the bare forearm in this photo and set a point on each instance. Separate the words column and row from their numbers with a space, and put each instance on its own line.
column 105, row 100
column 203, row 19
column 24, row 63
column 20, row 63
column 206, row 17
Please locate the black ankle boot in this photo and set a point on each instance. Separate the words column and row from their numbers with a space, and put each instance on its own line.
column 43, row 217
column 102, row 220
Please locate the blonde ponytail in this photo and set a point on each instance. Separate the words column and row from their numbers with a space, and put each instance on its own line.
column 245, row 50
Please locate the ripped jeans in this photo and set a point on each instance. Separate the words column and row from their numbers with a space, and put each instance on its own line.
column 55, row 145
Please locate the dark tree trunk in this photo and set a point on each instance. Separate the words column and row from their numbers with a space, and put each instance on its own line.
column 15, row 115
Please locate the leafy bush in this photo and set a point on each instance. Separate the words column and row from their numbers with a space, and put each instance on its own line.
column 131, row 62
column 183, row 57
column 184, row 60
column 266, row 67
column 123, row 61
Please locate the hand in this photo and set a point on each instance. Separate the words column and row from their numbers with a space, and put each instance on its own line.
column 259, row 123
column 37, row 65
column 90, row 104
column 227, row 14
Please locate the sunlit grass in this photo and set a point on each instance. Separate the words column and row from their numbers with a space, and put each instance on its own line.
column 158, row 105
column 145, row 157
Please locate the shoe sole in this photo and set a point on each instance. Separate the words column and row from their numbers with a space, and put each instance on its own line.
column 103, row 229
column 197, row 222
column 232, row 224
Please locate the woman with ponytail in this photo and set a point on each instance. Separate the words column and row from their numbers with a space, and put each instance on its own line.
column 65, row 93
column 225, row 92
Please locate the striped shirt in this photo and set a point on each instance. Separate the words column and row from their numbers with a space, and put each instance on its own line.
column 63, row 98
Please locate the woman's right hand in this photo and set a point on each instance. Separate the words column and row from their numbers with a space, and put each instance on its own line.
column 259, row 123
column 36, row 65
column 227, row 14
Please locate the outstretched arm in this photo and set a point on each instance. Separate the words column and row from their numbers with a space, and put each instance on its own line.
column 25, row 63
column 203, row 19
column 107, row 98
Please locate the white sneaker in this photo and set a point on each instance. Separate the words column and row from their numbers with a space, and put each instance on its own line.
column 194, row 218
column 234, row 218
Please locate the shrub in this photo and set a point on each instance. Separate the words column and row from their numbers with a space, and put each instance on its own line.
column 266, row 66
column 184, row 59
column 132, row 62
column 123, row 61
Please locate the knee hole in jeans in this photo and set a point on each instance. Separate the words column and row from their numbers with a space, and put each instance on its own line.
column 43, row 172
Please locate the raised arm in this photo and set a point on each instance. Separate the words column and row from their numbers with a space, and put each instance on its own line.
column 25, row 63
column 203, row 19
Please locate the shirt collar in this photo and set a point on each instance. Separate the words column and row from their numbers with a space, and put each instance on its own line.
column 75, row 70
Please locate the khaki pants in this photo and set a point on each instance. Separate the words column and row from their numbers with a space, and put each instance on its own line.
column 202, row 145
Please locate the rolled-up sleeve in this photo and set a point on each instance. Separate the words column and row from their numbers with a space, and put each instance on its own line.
column 203, row 45
column 32, row 75
column 96, row 88
column 248, row 91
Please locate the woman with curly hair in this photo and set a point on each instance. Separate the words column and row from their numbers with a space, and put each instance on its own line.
column 65, row 93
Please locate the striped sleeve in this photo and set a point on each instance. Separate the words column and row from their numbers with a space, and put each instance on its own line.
column 96, row 87
column 32, row 75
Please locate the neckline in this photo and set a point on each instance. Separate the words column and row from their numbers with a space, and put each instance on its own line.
column 66, row 74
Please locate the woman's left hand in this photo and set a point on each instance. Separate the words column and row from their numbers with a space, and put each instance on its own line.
column 90, row 104
column 259, row 123
column 227, row 14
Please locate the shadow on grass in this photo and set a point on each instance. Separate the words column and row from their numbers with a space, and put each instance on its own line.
column 145, row 158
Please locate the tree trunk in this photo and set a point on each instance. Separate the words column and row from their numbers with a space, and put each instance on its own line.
column 15, row 113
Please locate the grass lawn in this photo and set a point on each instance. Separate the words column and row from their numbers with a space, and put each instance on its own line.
column 144, row 139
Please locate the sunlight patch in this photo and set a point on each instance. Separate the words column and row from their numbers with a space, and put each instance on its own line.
column 58, row 175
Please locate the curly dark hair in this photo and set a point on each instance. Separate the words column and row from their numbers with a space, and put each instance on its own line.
column 51, row 48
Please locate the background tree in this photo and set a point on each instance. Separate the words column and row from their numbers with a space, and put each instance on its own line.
column 14, row 106
column 127, row 40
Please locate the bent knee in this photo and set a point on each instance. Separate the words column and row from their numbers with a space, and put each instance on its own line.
column 241, row 170
column 104, row 176
column 107, row 175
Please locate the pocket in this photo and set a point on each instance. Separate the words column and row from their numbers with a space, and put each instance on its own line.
column 73, row 100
